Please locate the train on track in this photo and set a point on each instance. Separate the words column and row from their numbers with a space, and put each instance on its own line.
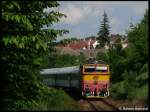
column 95, row 79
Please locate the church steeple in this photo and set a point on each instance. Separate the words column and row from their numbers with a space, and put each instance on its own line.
column 131, row 24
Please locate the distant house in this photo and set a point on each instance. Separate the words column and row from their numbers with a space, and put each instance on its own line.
column 66, row 50
column 83, row 44
column 106, row 47
column 114, row 38
column 87, row 46
column 124, row 42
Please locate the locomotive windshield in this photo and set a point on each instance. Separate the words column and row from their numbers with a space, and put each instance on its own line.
column 101, row 69
column 96, row 69
column 89, row 69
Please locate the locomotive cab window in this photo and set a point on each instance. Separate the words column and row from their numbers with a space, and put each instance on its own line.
column 89, row 69
column 101, row 69
column 96, row 69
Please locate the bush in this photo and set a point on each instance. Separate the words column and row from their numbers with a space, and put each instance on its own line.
column 49, row 99
column 118, row 91
column 102, row 56
column 144, row 68
column 138, row 93
column 129, row 66
column 57, row 60
column 61, row 101
column 132, row 87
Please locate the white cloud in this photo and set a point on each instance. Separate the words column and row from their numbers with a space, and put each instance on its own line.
column 91, row 12
column 78, row 11
column 114, row 24
column 47, row 10
column 75, row 13
column 139, row 7
column 123, row 32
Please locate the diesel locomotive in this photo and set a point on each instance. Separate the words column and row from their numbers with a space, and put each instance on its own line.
column 95, row 79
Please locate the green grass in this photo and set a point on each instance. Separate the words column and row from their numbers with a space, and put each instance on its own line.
column 122, row 91
column 57, row 101
column 141, row 93
column 61, row 101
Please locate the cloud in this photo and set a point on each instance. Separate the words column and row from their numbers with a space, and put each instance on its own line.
column 47, row 10
column 78, row 11
column 139, row 7
column 114, row 24
column 83, row 17
column 75, row 14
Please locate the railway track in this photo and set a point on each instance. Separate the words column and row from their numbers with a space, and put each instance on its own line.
column 101, row 105
column 93, row 106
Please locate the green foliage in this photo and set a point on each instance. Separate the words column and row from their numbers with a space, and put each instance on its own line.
column 141, row 93
column 138, row 39
column 129, row 66
column 128, row 87
column 47, row 101
column 91, row 37
column 104, row 31
column 142, row 78
column 116, row 63
column 57, row 60
column 118, row 90
column 25, row 49
column 67, row 41
column 124, row 90
column 65, row 102
column 102, row 56
column 144, row 68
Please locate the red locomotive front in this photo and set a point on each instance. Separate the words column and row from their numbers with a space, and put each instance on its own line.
column 95, row 80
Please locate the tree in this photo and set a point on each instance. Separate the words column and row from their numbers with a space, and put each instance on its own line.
column 24, row 47
column 91, row 37
column 130, row 67
column 138, row 41
column 67, row 41
column 103, row 34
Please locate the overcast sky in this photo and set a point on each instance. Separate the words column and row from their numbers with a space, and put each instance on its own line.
column 83, row 17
